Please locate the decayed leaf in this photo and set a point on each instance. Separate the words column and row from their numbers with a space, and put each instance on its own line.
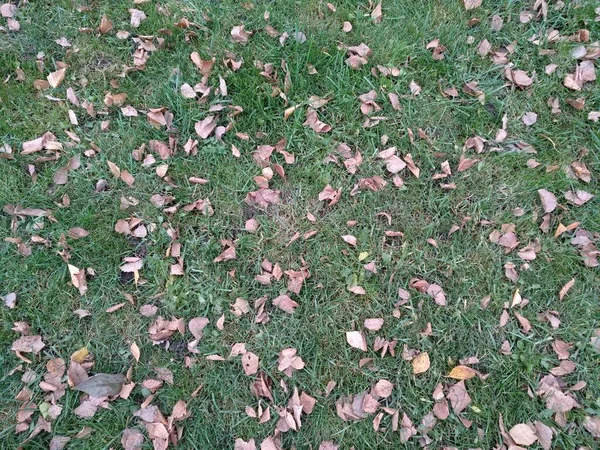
column 357, row 340
column 383, row 388
column 579, row 197
column 102, row 385
column 462, row 373
column 240, row 35
column 377, row 14
column 420, row 364
column 459, row 397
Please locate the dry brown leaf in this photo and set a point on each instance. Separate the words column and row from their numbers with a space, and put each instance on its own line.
column 135, row 351
column 462, row 373
column 523, row 434
column 472, row 4
column 420, row 364
column 548, row 199
column 55, row 79
column 357, row 340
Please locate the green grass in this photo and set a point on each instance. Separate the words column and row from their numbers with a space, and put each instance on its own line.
column 467, row 265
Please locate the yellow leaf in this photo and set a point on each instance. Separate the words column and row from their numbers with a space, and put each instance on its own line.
column 421, row 363
column 363, row 255
column 462, row 373
column 80, row 355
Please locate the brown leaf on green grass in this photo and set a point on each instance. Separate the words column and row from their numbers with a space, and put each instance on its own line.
column 579, row 197
column 102, row 385
column 55, row 79
column 523, row 434
column 420, row 364
column 132, row 439
column 137, row 16
column 472, row 4
column 377, row 14
column 285, row 303
column 548, row 199
column 566, row 288
column 462, row 373
column 240, row 35
column 357, row 340
column 288, row 362
column 459, row 397
column 250, row 363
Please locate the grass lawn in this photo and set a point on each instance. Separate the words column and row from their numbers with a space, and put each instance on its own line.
column 425, row 183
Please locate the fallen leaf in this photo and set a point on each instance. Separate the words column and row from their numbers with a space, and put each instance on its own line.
column 548, row 199
column 462, row 373
column 523, row 434
column 56, row 78
column 472, row 4
column 373, row 324
column 357, row 340
column 102, row 385
column 566, row 288
column 250, row 363
column 135, row 351
column 420, row 364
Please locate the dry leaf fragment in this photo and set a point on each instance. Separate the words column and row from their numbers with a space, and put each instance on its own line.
column 420, row 364
column 578, row 197
column 357, row 340
column 529, row 118
column 288, row 362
